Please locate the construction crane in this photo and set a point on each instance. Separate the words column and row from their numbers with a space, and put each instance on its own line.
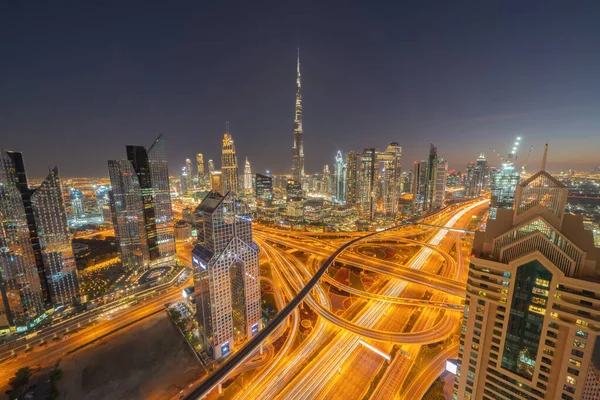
column 525, row 162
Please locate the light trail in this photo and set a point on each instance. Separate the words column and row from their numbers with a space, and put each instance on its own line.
column 314, row 379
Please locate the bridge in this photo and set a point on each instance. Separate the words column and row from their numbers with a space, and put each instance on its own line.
column 214, row 379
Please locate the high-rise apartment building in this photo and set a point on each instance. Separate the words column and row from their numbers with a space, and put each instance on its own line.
column 353, row 165
column 247, row 177
column 293, row 190
column 531, row 325
column 226, row 275
column 298, row 148
column 211, row 166
column 37, row 266
column 339, row 172
column 229, row 165
column 142, row 206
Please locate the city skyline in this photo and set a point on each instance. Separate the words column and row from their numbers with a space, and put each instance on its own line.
column 411, row 94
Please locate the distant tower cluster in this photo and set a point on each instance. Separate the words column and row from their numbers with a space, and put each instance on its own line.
column 37, row 265
column 477, row 177
column 298, row 148
column 229, row 165
column 226, row 275
column 141, row 205
column 373, row 180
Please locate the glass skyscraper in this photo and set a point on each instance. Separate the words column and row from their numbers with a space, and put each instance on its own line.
column 37, row 266
column 142, row 207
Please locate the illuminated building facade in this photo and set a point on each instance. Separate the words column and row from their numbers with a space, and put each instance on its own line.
column 21, row 297
column 200, row 165
column 226, row 275
column 37, row 266
column 211, row 166
column 229, row 166
column 478, row 177
column 532, row 322
column 339, row 172
column 264, row 190
column 76, row 203
column 293, row 190
column 352, row 178
column 298, row 148
column 326, row 181
column 430, row 175
column 186, row 177
column 441, row 175
column 390, row 178
column 367, row 183
column 247, row 177
column 142, row 206
column 504, row 186
column 216, row 181
column 53, row 242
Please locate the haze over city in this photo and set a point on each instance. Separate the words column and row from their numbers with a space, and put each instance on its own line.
column 79, row 81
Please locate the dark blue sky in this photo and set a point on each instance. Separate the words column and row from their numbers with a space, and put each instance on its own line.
column 79, row 81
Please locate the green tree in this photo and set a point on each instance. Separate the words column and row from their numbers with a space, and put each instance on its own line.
column 21, row 378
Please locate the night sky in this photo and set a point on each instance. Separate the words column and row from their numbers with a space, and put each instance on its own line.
column 78, row 82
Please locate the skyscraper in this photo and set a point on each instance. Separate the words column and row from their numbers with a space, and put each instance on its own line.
column 226, row 275
column 229, row 166
column 211, row 166
column 352, row 178
column 141, row 184
column 76, row 203
column 478, row 177
column 264, row 190
column 200, row 165
column 21, row 298
column 504, row 186
column 439, row 194
column 186, row 177
column 389, row 169
column 247, row 177
column 37, row 266
column 367, row 184
column 298, row 148
column 326, row 182
column 430, row 173
column 293, row 190
column 59, row 279
column 530, row 328
column 216, row 181
column 339, row 172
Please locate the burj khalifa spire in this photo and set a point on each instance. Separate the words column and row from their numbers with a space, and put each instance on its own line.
column 298, row 149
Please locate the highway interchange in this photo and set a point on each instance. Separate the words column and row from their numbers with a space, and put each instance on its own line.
column 409, row 305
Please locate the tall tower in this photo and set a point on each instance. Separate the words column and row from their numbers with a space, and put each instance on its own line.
column 247, row 177
column 229, row 165
column 141, row 201
column 200, row 165
column 298, row 149
column 226, row 276
column 339, row 171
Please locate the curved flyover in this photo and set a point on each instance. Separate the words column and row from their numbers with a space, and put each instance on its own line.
column 238, row 357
